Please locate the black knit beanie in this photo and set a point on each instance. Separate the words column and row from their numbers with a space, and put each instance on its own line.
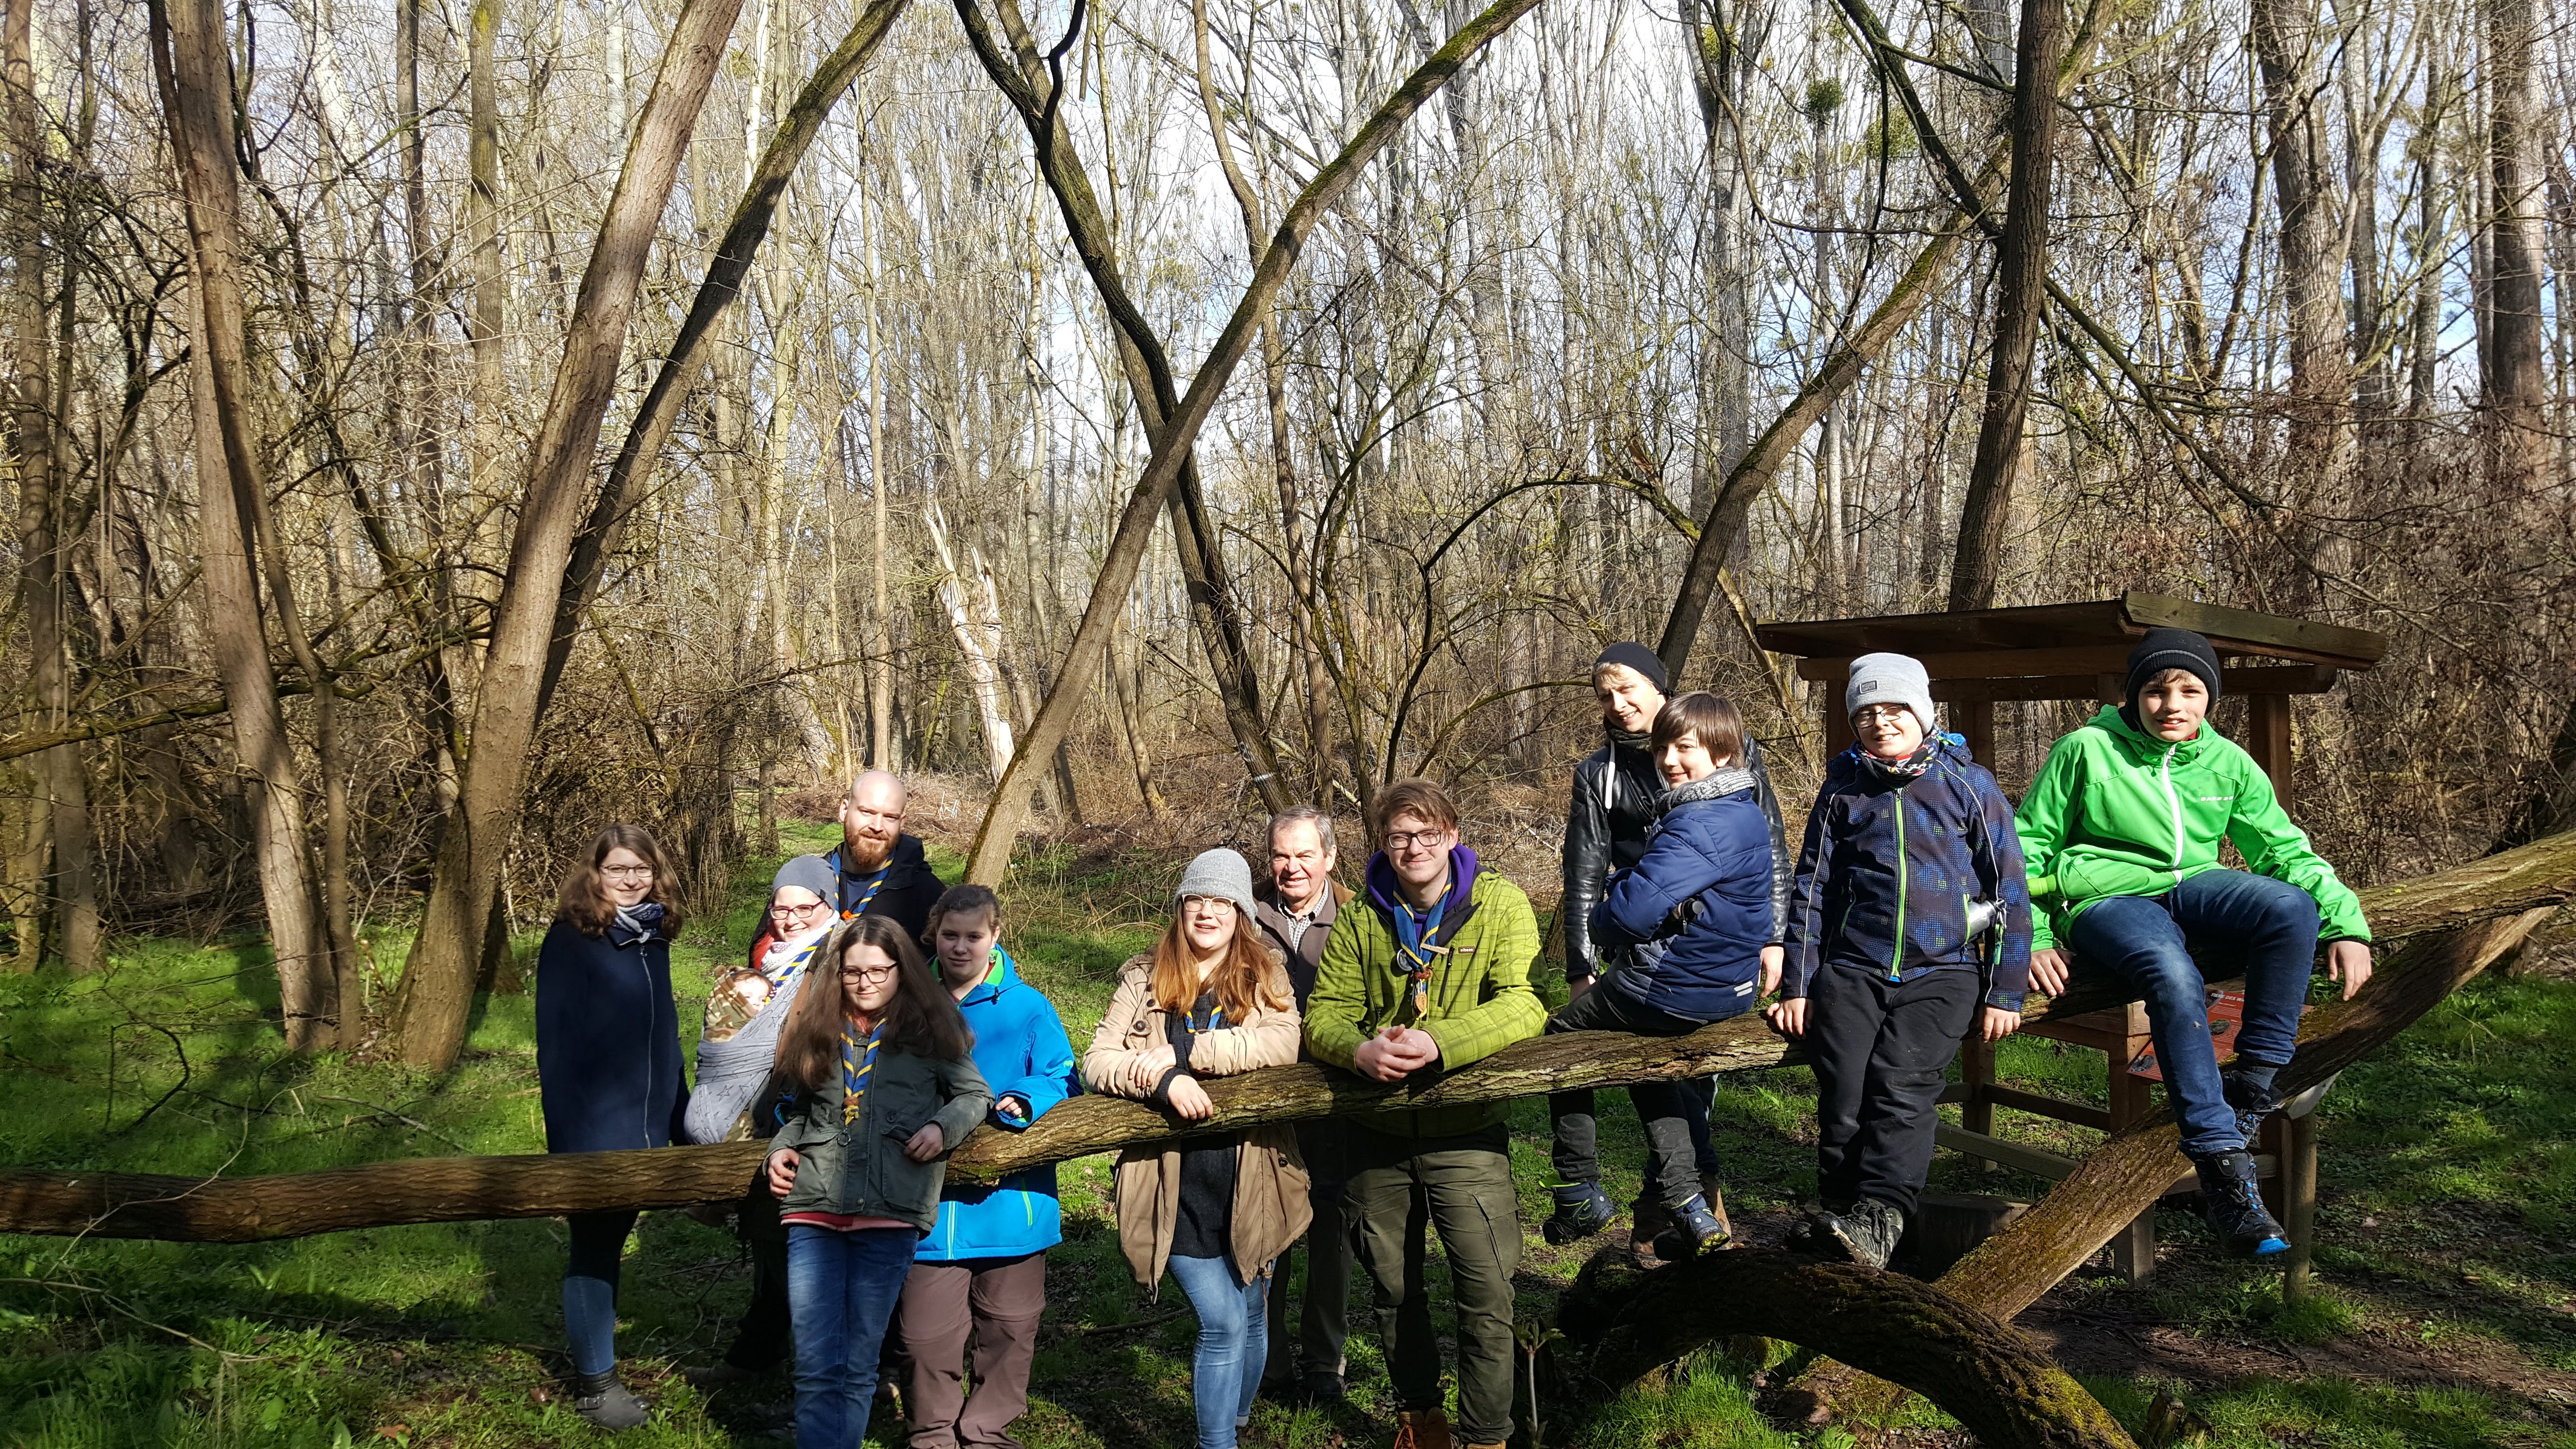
column 2165, row 649
column 1639, row 658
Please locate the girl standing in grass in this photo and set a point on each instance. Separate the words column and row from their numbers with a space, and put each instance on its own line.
column 608, row 1071
column 885, row 1089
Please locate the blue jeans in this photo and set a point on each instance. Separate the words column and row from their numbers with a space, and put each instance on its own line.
column 2237, row 922
column 1234, row 1343
column 841, row 1289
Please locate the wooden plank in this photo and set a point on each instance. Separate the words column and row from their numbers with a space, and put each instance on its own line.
column 2270, row 633
column 2108, row 686
column 1991, row 1096
column 2025, row 627
column 2036, row 1162
column 1995, row 663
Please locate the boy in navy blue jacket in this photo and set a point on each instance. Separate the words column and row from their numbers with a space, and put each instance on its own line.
column 1683, row 931
column 1909, row 924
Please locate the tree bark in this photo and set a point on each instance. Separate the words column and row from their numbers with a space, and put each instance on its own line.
column 2287, row 46
column 641, row 451
column 2020, row 295
column 2516, row 377
column 1978, row 1368
column 194, row 69
column 60, row 818
column 489, row 314
column 990, row 855
column 438, row 982
column 2466, row 904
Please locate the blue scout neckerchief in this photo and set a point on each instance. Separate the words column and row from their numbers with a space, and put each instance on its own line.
column 1419, row 943
column 857, row 1061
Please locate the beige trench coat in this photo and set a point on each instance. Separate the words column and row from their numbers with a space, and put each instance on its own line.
column 1270, row 1207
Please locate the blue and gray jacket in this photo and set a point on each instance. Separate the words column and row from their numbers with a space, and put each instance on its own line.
column 1684, row 928
column 1021, row 1049
column 1905, row 874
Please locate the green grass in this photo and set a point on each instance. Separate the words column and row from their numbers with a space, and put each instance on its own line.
column 2450, row 1199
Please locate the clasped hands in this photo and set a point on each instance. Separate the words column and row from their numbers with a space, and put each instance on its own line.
column 1395, row 1053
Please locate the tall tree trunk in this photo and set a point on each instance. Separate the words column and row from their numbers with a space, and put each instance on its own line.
column 991, row 853
column 44, row 570
column 2020, row 294
column 195, row 74
column 489, row 313
column 2287, row 44
column 437, row 985
column 2516, row 380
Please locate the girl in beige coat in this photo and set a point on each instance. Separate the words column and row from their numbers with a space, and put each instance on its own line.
column 1209, row 1000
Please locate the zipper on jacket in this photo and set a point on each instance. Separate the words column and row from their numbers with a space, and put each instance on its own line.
column 2165, row 774
column 1896, row 955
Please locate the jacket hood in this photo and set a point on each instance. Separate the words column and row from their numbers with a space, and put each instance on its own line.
column 2113, row 720
column 1387, row 895
column 1728, row 780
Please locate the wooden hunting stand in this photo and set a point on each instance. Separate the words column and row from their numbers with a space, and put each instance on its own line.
column 2076, row 652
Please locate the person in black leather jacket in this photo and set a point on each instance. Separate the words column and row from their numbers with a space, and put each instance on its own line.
column 1618, row 793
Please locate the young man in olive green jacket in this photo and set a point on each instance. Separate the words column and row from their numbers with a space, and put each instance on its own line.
column 1425, row 974
column 2121, row 834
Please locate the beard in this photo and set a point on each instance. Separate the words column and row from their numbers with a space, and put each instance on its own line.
column 864, row 854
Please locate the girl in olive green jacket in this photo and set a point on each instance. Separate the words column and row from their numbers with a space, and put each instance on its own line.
column 885, row 1091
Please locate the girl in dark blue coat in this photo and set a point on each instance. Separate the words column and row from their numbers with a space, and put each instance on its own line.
column 608, row 1069
column 1683, row 931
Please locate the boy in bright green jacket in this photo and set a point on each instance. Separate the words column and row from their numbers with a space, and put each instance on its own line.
column 1424, row 974
column 2121, row 833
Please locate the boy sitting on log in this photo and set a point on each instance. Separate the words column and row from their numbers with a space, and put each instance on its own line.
column 1909, row 925
column 2122, row 830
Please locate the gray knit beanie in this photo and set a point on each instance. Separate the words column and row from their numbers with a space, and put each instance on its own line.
column 1889, row 679
column 1219, row 872
column 812, row 872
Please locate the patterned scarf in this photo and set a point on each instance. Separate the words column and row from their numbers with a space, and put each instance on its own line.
column 858, row 1059
column 1911, row 767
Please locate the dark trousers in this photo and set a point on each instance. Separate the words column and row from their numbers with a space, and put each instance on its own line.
column 1465, row 1182
column 1880, row 1049
column 590, row 1287
column 998, row 1301
column 1331, row 1244
column 1675, row 1154
column 2263, row 927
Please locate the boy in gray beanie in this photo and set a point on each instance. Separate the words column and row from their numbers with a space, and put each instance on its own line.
column 1890, row 679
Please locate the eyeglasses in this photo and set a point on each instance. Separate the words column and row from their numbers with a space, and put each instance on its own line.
column 1874, row 713
column 856, row 816
column 627, row 872
column 789, row 913
column 1395, row 840
column 864, row 974
column 1209, row 905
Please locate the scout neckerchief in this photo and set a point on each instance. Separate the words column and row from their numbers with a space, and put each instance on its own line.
column 858, row 1059
column 875, row 883
column 1418, row 943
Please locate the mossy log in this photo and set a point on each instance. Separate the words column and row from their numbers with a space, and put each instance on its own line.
column 1977, row 1368
column 452, row 1189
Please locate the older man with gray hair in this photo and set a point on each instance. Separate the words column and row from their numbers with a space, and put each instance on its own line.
column 1295, row 912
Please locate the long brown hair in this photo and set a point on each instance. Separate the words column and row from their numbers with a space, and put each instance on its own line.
column 584, row 899
column 922, row 1019
column 1241, row 981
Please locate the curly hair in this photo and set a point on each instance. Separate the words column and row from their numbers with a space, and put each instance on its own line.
column 584, row 899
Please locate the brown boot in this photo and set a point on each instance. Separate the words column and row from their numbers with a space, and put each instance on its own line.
column 1716, row 1202
column 1421, row 1429
column 1646, row 1219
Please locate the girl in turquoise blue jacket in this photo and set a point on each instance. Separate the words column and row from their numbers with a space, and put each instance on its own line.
column 982, row 1269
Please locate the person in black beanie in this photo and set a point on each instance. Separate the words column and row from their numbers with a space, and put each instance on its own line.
column 1618, row 796
column 2121, row 832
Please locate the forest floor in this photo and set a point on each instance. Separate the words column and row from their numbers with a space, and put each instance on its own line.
column 2446, row 1317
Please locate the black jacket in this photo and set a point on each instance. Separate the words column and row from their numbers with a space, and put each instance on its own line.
column 608, row 1041
column 910, row 890
column 1618, row 794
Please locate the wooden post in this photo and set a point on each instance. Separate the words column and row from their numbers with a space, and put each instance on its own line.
column 2133, row 1247
column 2268, row 726
column 1829, row 692
column 1975, row 719
column 1977, row 1073
column 2299, row 1184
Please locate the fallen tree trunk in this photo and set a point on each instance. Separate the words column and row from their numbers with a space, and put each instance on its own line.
column 2533, row 878
column 1977, row 1368
column 2124, row 1176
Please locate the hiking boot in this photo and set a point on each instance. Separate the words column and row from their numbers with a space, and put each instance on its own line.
column 606, row 1401
column 1649, row 1228
column 1321, row 1386
column 1817, row 1232
column 1582, row 1209
column 1695, row 1230
column 2253, row 1104
column 1421, row 1429
column 1865, row 1234
column 2233, row 1203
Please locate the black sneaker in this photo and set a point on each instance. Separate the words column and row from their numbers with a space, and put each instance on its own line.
column 1867, row 1234
column 1817, row 1231
column 1695, row 1229
column 2252, row 1104
column 2233, row 1203
column 1582, row 1209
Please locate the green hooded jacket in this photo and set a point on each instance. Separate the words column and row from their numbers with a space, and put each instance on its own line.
column 2116, row 812
column 1481, row 1001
